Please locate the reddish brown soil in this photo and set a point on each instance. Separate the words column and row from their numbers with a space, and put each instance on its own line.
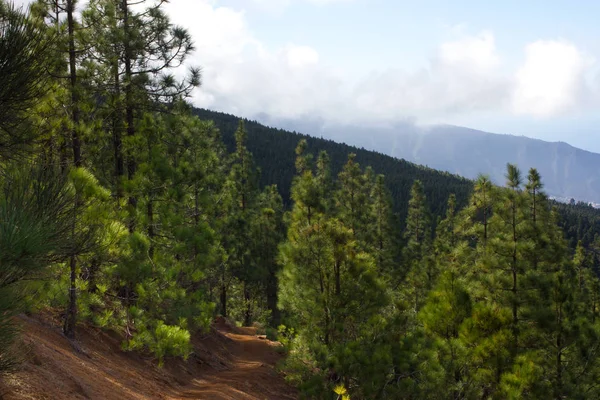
column 227, row 363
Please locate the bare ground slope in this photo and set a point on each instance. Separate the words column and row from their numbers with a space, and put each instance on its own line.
column 227, row 363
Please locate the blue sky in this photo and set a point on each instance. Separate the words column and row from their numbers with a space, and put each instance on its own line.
column 390, row 33
column 526, row 67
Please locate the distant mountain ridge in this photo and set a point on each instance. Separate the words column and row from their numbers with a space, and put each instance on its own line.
column 567, row 171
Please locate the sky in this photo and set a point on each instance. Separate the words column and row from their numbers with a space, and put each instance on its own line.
column 520, row 67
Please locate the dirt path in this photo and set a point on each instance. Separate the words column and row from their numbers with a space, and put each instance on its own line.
column 252, row 375
column 228, row 363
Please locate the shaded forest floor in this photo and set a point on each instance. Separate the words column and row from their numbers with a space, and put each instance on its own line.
column 227, row 363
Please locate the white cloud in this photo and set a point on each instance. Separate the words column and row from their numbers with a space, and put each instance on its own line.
column 242, row 76
column 474, row 52
column 301, row 56
column 465, row 76
column 552, row 80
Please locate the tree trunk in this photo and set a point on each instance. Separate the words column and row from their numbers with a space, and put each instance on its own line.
column 63, row 150
column 338, row 278
column 150, row 215
column 71, row 317
column 117, row 140
column 76, row 144
column 248, row 306
column 223, row 299
column 272, row 300
column 129, row 114
column 91, row 278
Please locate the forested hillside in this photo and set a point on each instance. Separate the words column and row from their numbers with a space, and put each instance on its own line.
column 124, row 210
column 272, row 149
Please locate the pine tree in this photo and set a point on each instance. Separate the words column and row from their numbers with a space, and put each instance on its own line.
column 446, row 237
column 241, row 193
column 479, row 211
column 24, row 56
column 421, row 269
column 35, row 200
column 385, row 239
column 268, row 233
column 588, row 283
column 305, row 253
column 569, row 331
column 443, row 316
column 136, row 71
column 353, row 203
column 328, row 287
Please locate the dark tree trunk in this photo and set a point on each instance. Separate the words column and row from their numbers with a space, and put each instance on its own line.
column 71, row 317
column 248, row 306
column 117, row 140
column 272, row 300
column 91, row 278
column 129, row 111
column 63, row 151
column 338, row 278
column 223, row 299
column 76, row 143
column 150, row 214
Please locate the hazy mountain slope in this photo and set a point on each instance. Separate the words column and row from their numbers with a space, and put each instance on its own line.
column 568, row 171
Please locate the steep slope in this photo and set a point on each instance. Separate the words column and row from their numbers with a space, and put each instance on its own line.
column 228, row 363
column 568, row 172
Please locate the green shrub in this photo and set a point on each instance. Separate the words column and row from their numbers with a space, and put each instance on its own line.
column 163, row 341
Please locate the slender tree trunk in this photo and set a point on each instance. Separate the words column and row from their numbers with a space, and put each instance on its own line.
column 272, row 300
column 223, row 293
column 94, row 267
column 150, row 215
column 325, row 308
column 76, row 143
column 63, row 150
column 71, row 317
column 594, row 306
column 248, row 306
column 223, row 300
column 338, row 278
column 129, row 110
column 116, row 128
